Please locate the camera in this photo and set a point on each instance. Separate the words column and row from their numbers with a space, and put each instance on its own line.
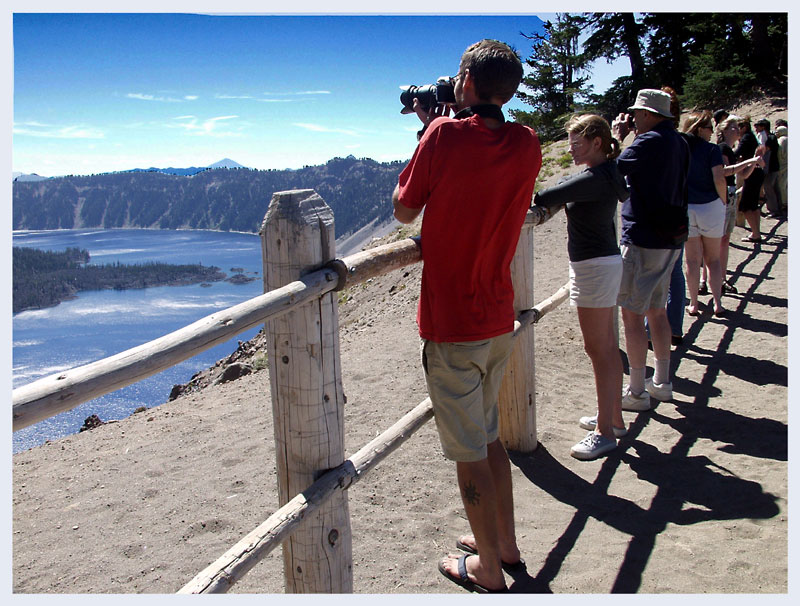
column 429, row 95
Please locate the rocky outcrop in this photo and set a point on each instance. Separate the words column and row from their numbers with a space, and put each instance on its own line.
column 249, row 357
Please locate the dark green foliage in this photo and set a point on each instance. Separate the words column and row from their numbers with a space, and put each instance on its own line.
column 617, row 98
column 615, row 35
column 710, row 85
column 553, row 85
column 357, row 190
column 45, row 278
column 712, row 60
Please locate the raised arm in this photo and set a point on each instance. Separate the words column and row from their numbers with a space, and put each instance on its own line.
column 403, row 213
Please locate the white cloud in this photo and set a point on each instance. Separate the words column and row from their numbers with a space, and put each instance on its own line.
column 303, row 92
column 271, row 96
column 148, row 97
column 193, row 126
column 34, row 123
column 48, row 131
column 317, row 128
column 218, row 96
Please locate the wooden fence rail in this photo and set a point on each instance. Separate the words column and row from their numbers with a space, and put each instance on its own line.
column 57, row 393
column 251, row 549
column 301, row 315
column 62, row 391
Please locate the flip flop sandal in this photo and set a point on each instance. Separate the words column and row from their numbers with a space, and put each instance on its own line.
column 509, row 568
column 463, row 579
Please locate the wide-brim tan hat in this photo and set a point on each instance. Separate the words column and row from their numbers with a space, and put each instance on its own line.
column 653, row 100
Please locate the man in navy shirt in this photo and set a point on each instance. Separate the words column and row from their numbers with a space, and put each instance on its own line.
column 655, row 226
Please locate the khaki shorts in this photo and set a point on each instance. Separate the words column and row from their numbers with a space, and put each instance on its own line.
column 646, row 274
column 463, row 382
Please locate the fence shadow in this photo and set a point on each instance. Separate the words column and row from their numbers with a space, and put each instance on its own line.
column 690, row 489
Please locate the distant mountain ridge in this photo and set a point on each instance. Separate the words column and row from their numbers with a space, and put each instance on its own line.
column 357, row 190
column 27, row 177
column 186, row 172
column 192, row 170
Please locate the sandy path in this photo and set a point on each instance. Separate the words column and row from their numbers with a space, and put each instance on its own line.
column 695, row 501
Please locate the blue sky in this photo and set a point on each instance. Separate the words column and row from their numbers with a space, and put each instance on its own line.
column 104, row 92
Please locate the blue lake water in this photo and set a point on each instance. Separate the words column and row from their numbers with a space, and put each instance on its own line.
column 98, row 324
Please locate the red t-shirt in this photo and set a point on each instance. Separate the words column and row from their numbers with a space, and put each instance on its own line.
column 476, row 186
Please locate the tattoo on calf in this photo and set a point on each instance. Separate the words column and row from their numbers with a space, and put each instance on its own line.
column 471, row 494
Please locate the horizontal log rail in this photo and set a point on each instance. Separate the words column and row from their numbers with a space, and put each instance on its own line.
column 253, row 547
column 297, row 222
column 63, row 391
column 220, row 575
column 534, row 314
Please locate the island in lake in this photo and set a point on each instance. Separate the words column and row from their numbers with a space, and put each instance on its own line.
column 45, row 278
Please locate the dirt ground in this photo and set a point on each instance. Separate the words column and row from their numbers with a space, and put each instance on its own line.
column 694, row 501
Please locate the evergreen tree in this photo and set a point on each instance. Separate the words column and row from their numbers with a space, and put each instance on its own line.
column 615, row 35
column 556, row 87
column 611, row 36
column 710, row 59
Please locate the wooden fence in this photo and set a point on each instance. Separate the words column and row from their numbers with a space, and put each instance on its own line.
column 299, row 307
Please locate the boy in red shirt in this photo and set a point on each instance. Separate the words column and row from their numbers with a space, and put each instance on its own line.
column 474, row 175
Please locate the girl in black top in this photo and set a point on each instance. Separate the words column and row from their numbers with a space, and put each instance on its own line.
column 748, row 204
column 590, row 198
column 729, row 136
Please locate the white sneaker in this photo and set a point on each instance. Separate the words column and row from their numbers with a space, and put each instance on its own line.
column 592, row 446
column 660, row 391
column 590, row 423
column 635, row 402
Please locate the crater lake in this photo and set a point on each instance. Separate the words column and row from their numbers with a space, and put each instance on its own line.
column 98, row 324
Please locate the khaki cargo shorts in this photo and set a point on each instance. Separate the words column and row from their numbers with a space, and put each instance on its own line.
column 463, row 383
column 646, row 274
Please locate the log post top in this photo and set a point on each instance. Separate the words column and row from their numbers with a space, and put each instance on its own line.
column 297, row 236
column 298, row 206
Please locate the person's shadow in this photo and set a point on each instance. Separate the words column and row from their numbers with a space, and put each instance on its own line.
column 710, row 491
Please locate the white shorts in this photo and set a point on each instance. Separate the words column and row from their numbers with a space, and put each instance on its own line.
column 707, row 219
column 595, row 282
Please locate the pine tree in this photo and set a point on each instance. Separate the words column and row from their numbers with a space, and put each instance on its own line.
column 556, row 87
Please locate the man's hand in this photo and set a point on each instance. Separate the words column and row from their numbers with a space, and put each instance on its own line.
column 621, row 126
column 426, row 117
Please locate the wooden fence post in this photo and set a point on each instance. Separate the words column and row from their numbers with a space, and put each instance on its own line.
column 517, row 399
column 307, row 395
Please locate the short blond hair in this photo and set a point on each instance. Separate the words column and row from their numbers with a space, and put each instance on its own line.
column 591, row 126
